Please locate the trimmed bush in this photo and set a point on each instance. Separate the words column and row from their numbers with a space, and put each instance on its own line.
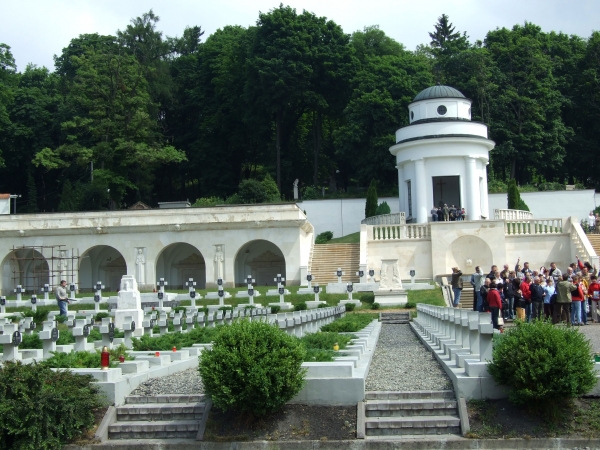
column 44, row 409
column 300, row 306
column 350, row 307
column 39, row 316
column 349, row 323
column 375, row 305
column 371, row 203
column 383, row 208
column 323, row 305
column 101, row 315
column 323, row 237
column 542, row 363
column 310, row 193
column 410, row 305
column 252, row 368
column 275, row 309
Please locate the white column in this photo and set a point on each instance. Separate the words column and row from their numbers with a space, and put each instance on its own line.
column 472, row 184
column 401, row 189
column 484, row 191
column 420, row 191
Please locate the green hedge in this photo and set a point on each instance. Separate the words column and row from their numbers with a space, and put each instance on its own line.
column 350, row 323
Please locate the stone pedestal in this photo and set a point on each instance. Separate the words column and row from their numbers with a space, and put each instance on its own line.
column 129, row 304
column 315, row 304
column 285, row 306
column 336, row 288
column 390, row 292
column 366, row 287
column 345, row 302
column 215, row 295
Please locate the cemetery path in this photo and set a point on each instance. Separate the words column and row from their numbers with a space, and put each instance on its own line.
column 402, row 363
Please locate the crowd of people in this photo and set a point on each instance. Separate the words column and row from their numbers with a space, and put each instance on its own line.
column 448, row 213
column 523, row 293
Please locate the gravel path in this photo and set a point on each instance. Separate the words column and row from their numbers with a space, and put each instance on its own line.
column 402, row 363
column 186, row 382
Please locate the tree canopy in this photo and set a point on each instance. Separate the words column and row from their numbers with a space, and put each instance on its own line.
column 142, row 116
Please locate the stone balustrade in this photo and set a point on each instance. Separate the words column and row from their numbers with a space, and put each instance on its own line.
column 386, row 219
column 398, row 232
column 533, row 226
column 512, row 214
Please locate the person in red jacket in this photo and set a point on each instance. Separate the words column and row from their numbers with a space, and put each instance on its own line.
column 594, row 293
column 495, row 302
column 526, row 292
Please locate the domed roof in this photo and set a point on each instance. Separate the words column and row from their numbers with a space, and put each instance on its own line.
column 438, row 91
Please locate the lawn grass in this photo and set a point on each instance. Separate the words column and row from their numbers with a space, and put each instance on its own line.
column 353, row 238
column 430, row 297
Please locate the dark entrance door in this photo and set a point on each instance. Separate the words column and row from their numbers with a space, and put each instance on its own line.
column 446, row 190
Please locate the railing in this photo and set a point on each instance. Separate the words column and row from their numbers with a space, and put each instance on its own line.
column 512, row 214
column 582, row 244
column 386, row 219
column 539, row 226
column 397, row 232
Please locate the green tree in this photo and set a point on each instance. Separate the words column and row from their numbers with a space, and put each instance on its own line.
column 31, row 205
column 446, row 44
column 514, row 199
column 371, row 203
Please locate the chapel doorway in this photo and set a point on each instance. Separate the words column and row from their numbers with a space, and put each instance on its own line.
column 179, row 262
column 446, row 190
column 261, row 259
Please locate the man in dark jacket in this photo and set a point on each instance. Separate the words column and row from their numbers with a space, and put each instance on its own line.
column 563, row 300
column 537, row 298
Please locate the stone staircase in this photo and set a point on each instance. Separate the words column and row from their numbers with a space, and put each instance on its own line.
column 467, row 297
column 161, row 417
column 327, row 258
column 595, row 241
column 414, row 413
column 395, row 317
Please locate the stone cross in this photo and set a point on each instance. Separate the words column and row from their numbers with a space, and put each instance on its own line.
column 316, row 290
column 10, row 341
column 412, row 276
column 81, row 331
column 46, row 291
column 177, row 322
column 221, row 294
column 161, row 291
column 361, row 276
column 72, row 289
column 339, row 274
column 19, row 290
column 163, row 323
column 27, row 325
column 279, row 279
column 148, row 324
column 281, row 293
column 371, row 276
column 3, row 305
column 249, row 281
column 107, row 329
column 49, row 335
column 34, row 302
column 192, row 290
column 349, row 288
column 309, row 278
column 98, row 295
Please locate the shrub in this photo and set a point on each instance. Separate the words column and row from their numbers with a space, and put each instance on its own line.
column 323, row 305
column 350, row 307
column 310, row 193
column 324, row 340
column 60, row 319
column 226, row 308
column 39, row 316
column 101, row 315
column 250, row 307
column 552, row 186
column 271, row 190
column 207, row 201
column 233, row 200
column 514, row 198
column 542, row 363
column 275, row 309
column 44, row 409
column 180, row 340
column 383, row 208
column 94, row 335
column 497, row 186
column 323, row 237
column 31, row 341
column 253, row 368
column 349, row 323
column 375, row 305
column 410, row 305
column 371, row 203
column 300, row 306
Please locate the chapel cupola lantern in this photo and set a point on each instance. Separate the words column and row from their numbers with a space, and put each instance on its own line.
column 442, row 156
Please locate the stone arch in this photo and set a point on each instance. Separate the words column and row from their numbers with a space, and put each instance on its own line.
column 26, row 267
column 101, row 263
column 469, row 248
column 178, row 262
column 260, row 258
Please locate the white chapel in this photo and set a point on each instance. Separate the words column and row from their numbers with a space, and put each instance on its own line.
column 441, row 156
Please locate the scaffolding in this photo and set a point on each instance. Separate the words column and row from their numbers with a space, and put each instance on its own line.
column 33, row 266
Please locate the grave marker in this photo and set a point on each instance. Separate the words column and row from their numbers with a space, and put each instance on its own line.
column 19, row 290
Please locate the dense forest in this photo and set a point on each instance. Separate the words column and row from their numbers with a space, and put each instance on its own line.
column 144, row 117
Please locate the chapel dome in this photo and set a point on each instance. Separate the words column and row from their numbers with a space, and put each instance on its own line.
column 438, row 91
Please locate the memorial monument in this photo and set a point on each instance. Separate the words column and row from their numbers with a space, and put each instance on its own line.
column 129, row 305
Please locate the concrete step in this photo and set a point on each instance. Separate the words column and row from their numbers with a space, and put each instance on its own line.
column 182, row 429
column 411, row 408
column 327, row 258
column 171, row 398
column 160, row 412
column 422, row 425
column 395, row 318
column 407, row 395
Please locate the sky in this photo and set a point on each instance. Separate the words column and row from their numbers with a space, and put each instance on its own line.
column 36, row 30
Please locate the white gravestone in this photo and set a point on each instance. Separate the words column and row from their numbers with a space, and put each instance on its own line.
column 129, row 304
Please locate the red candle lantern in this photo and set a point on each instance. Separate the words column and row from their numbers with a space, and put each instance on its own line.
column 174, row 348
column 157, row 354
column 104, row 358
column 121, row 358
